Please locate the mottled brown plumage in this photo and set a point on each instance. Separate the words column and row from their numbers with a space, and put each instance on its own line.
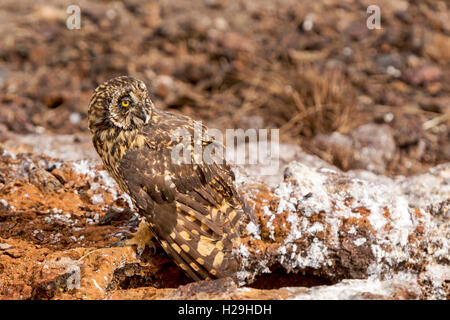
column 192, row 209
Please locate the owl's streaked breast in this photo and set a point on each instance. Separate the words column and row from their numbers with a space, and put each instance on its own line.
column 113, row 143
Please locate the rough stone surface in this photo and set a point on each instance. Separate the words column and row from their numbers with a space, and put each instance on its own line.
column 324, row 223
column 369, row 147
column 321, row 234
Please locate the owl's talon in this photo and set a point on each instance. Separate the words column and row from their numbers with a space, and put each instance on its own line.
column 142, row 239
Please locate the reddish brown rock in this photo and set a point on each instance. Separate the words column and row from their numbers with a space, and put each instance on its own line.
column 316, row 228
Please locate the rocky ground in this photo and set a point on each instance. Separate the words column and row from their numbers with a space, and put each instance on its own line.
column 359, row 207
column 321, row 233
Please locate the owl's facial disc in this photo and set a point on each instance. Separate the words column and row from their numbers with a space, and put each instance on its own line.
column 130, row 109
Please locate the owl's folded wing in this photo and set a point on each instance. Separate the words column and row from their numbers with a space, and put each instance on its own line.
column 193, row 209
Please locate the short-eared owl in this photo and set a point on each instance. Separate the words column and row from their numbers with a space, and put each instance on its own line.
column 193, row 209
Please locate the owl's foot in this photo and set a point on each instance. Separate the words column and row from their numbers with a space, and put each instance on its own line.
column 142, row 239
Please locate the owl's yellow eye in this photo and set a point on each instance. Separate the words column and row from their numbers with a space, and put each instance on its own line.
column 125, row 103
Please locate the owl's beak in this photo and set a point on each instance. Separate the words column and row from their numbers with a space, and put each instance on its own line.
column 143, row 115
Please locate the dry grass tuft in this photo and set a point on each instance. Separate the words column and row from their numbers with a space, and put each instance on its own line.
column 324, row 101
column 302, row 102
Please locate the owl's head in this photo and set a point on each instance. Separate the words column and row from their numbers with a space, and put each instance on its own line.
column 122, row 102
